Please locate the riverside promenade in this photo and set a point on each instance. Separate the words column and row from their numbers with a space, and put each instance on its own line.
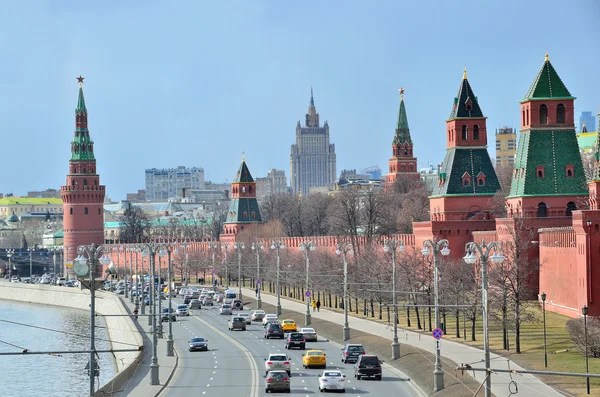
column 528, row 385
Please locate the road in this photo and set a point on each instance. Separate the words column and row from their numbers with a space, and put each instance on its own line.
column 234, row 364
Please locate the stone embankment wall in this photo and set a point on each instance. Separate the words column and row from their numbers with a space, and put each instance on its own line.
column 120, row 329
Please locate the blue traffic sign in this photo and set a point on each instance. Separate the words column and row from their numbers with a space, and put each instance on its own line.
column 437, row 333
column 257, row 281
column 307, row 294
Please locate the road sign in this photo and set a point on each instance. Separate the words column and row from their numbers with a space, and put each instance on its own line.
column 257, row 281
column 437, row 345
column 437, row 333
column 69, row 265
column 213, row 272
column 307, row 293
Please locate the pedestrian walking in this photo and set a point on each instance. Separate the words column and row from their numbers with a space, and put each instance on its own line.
column 256, row 292
column 314, row 305
column 318, row 305
column 135, row 313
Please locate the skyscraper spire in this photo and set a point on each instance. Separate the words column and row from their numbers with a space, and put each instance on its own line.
column 312, row 99
column 312, row 117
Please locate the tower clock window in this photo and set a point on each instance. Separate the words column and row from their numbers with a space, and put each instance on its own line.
column 465, row 132
column 86, row 210
column 543, row 114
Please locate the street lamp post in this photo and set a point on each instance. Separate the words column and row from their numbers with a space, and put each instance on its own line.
column 257, row 247
column 185, row 246
column 167, row 249
column 160, row 294
column 90, row 253
column 344, row 249
column 31, row 250
column 497, row 258
column 213, row 248
column 149, row 250
column 239, row 247
column 225, row 246
column 277, row 245
column 393, row 246
column 584, row 311
column 543, row 296
column 9, row 254
column 307, row 246
column 139, row 288
column 437, row 247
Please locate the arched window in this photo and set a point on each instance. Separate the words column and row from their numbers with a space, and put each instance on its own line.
column 84, row 171
column 570, row 208
column 569, row 171
column 539, row 171
column 523, row 117
column 71, row 211
column 249, row 189
column 245, row 214
column 465, row 132
column 85, row 182
column 542, row 210
column 560, row 113
column 476, row 132
column 243, row 189
column 72, row 182
column 86, row 210
column 99, row 211
column 543, row 114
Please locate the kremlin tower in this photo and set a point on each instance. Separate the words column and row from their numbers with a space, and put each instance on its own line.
column 402, row 161
column 82, row 195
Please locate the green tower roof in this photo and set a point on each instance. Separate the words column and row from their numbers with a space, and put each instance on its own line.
column 471, row 161
column 465, row 103
column 547, row 84
column 243, row 175
column 402, row 130
column 243, row 210
column 82, row 146
column 81, row 101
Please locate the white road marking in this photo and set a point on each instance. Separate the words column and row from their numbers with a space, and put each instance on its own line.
column 208, row 385
column 211, row 379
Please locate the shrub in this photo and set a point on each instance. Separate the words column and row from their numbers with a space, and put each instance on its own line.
column 576, row 331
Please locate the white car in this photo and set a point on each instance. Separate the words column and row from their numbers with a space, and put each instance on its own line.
column 268, row 318
column 225, row 309
column 182, row 310
column 332, row 380
column 310, row 335
column 257, row 315
column 245, row 316
column 279, row 362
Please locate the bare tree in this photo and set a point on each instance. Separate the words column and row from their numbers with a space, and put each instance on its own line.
column 33, row 231
column 217, row 219
column 589, row 165
column 315, row 210
column 498, row 201
column 413, row 206
column 577, row 331
column 134, row 225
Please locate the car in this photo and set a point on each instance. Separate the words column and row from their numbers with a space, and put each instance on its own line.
column 195, row 304
column 225, row 309
column 278, row 361
column 236, row 322
column 237, row 304
column 208, row 301
column 268, row 318
column 274, row 330
column 295, row 339
column 165, row 314
column 314, row 358
column 257, row 315
column 198, row 344
column 310, row 335
column 245, row 316
column 147, row 301
column 289, row 325
column 332, row 380
column 351, row 352
column 277, row 381
column 182, row 310
column 187, row 299
column 69, row 284
column 368, row 366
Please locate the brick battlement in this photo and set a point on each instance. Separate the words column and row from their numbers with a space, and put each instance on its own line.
column 79, row 188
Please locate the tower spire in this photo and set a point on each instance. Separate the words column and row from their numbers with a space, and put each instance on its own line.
column 312, row 99
column 82, row 147
column 402, row 124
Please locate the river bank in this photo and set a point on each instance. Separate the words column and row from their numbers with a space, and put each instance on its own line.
column 121, row 329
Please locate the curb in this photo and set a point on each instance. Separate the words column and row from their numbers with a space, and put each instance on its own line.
column 164, row 386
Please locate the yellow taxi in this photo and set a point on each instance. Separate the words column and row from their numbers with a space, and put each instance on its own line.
column 314, row 358
column 289, row 326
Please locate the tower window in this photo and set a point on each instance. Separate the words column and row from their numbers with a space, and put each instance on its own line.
column 465, row 132
column 99, row 211
column 243, row 189
column 86, row 210
column 543, row 114
column 71, row 211
column 245, row 214
column 560, row 113
column 569, row 171
column 85, row 182
column 542, row 210
column 249, row 189
column 570, row 208
column 466, row 179
column 476, row 132
column 539, row 171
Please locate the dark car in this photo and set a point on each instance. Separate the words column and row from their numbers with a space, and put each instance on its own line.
column 165, row 315
column 237, row 305
column 295, row 339
column 198, row 344
column 274, row 330
column 187, row 299
column 368, row 366
column 351, row 352
column 277, row 381
column 237, row 323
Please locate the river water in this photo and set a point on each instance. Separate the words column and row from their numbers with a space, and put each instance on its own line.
column 46, row 375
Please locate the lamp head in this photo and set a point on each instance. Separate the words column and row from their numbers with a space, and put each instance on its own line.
column 338, row 252
column 426, row 251
column 273, row 246
column 543, row 296
column 445, row 251
column 386, row 248
column 105, row 260
column 498, row 258
column 584, row 310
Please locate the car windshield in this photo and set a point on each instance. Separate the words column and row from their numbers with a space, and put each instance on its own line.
column 225, row 307
column 182, row 307
column 238, row 319
column 196, row 340
column 278, row 358
column 307, row 330
column 277, row 375
column 243, row 315
column 369, row 361
column 355, row 348
column 259, row 312
column 274, row 326
column 288, row 321
column 332, row 374
column 271, row 316
column 296, row 337
column 315, row 353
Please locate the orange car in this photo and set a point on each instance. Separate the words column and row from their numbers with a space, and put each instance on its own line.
column 289, row 326
column 314, row 358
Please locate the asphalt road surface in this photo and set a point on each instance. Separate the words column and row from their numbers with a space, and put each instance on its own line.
column 234, row 364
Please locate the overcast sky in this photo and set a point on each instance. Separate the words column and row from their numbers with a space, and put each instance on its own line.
column 197, row 83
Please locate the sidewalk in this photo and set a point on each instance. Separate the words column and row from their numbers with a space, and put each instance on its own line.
column 139, row 384
column 528, row 384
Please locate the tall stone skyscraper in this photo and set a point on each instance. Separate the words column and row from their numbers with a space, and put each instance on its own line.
column 82, row 195
column 312, row 159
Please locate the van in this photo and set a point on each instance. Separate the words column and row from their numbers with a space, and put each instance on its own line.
column 61, row 281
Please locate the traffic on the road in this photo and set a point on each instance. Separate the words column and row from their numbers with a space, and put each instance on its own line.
column 253, row 352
